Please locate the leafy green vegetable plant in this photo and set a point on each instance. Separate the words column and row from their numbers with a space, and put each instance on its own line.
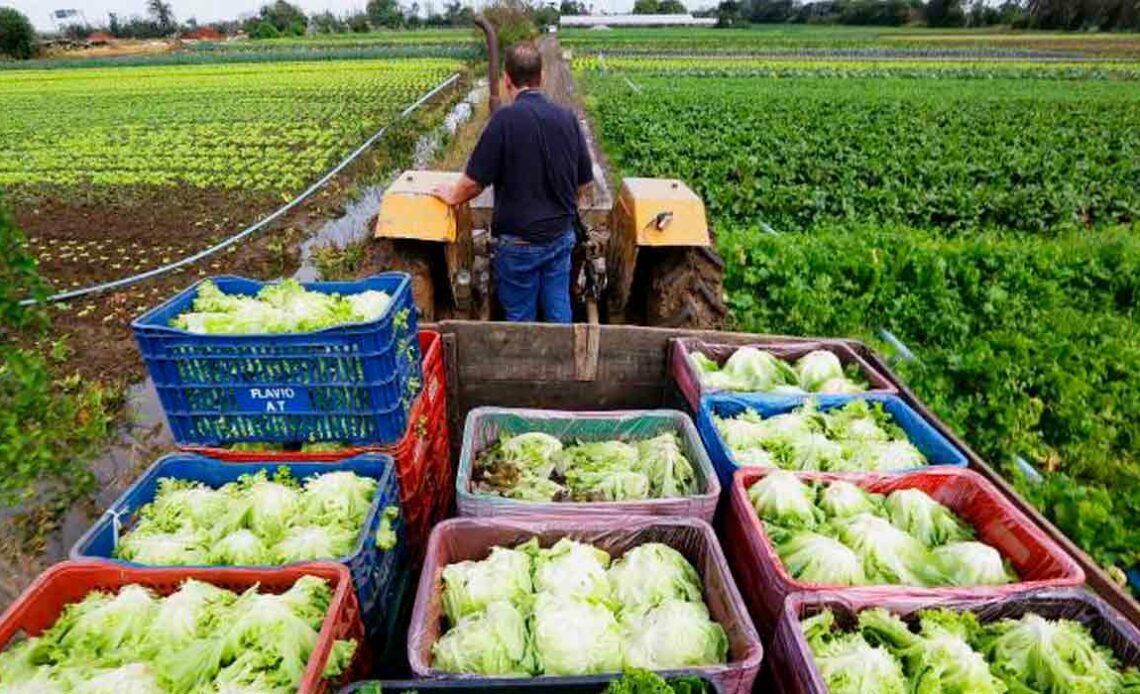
column 859, row 436
column 199, row 638
column 952, row 652
column 535, row 466
column 285, row 307
column 567, row 610
column 254, row 521
column 838, row 534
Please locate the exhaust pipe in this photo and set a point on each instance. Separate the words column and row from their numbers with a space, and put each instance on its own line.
column 492, row 59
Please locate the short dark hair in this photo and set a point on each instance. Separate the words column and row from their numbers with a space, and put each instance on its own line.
column 524, row 64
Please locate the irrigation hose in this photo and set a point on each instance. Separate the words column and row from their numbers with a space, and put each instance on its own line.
column 256, row 226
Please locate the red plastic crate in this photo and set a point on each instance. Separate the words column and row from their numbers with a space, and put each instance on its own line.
column 41, row 604
column 765, row 583
column 434, row 389
column 428, row 499
column 443, row 471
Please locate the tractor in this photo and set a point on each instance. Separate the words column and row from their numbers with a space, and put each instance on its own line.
column 650, row 259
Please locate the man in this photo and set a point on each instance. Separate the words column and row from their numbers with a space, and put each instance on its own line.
column 534, row 154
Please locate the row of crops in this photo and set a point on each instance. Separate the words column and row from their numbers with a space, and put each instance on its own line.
column 841, row 39
column 990, row 224
column 906, row 64
column 255, row 127
column 955, row 154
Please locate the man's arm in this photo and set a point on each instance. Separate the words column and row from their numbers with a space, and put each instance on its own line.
column 583, row 195
column 459, row 192
column 482, row 168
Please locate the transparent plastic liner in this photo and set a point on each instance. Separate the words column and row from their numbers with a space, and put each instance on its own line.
column 795, row 672
column 593, row 684
column 936, row 447
column 486, row 424
column 41, row 604
column 689, row 380
column 461, row 539
column 765, row 583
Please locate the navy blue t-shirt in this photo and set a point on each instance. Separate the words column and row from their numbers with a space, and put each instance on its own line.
column 509, row 156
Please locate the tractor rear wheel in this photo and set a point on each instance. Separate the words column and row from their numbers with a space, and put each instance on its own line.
column 685, row 289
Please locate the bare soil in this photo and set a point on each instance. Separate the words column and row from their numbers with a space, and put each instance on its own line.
column 80, row 241
column 119, row 47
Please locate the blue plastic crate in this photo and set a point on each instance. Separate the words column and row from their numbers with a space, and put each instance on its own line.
column 933, row 445
column 353, row 383
column 375, row 573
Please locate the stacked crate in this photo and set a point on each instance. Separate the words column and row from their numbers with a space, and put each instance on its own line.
column 376, row 386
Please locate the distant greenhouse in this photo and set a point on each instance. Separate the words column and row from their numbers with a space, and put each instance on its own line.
column 635, row 20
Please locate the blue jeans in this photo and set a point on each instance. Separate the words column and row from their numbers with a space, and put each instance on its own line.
column 530, row 274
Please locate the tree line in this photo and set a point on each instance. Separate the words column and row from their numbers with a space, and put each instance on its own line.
column 1065, row 15
column 281, row 18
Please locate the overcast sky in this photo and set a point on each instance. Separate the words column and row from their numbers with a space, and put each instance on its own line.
column 40, row 11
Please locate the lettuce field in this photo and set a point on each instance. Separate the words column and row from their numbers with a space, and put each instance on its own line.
column 265, row 127
column 984, row 209
column 115, row 170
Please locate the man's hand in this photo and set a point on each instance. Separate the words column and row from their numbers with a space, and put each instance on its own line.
column 458, row 193
column 446, row 193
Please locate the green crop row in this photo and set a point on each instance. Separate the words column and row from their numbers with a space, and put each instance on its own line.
column 778, row 66
column 1024, row 349
column 216, row 54
column 261, row 127
column 402, row 37
column 1035, row 156
column 833, row 38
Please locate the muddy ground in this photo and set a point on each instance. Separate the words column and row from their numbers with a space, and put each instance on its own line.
column 80, row 241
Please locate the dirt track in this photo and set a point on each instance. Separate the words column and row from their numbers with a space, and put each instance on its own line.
column 558, row 83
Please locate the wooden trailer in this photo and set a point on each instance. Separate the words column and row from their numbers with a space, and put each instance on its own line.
column 607, row 367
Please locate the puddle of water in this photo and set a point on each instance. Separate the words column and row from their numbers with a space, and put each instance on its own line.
column 341, row 232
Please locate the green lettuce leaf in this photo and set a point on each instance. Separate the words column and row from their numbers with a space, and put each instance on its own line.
column 493, row 641
column 814, row 558
column 913, row 511
column 505, row 575
column 780, row 497
column 650, row 574
column 1049, row 655
column 575, row 636
column 674, row 634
